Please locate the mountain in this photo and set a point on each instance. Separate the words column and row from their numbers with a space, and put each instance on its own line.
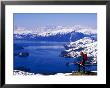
column 86, row 44
column 59, row 33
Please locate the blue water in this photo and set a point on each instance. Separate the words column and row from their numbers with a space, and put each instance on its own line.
column 44, row 57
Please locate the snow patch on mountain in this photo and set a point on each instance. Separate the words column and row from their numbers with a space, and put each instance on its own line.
column 87, row 31
column 62, row 31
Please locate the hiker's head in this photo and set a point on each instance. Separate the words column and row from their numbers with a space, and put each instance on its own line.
column 85, row 52
column 81, row 53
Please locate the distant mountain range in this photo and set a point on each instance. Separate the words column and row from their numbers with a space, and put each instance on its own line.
column 56, row 33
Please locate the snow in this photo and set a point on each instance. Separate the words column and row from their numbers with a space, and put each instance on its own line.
column 87, row 31
column 23, row 73
column 89, row 46
column 62, row 31
column 53, row 30
column 18, row 72
column 21, row 30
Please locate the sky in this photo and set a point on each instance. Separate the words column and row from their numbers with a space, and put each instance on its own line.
column 33, row 20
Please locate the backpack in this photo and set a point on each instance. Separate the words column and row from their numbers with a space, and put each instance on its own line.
column 85, row 57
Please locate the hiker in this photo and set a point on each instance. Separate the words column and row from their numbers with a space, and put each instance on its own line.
column 81, row 63
column 84, row 58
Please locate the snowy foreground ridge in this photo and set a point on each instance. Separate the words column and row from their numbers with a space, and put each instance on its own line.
column 86, row 44
column 22, row 73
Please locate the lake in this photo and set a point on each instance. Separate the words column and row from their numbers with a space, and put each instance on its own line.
column 44, row 58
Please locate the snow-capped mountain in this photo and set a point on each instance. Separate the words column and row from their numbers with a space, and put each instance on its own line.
column 22, row 30
column 87, row 31
column 60, row 32
column 47, row 31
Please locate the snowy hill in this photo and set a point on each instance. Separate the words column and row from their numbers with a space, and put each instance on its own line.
column 86, row 44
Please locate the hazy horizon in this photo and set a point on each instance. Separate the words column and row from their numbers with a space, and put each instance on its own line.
column 31, row 21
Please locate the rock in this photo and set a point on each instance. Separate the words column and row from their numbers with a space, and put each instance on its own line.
column 23, row 54
column 69, row 54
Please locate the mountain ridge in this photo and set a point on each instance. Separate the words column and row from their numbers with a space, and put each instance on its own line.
column 58, row 34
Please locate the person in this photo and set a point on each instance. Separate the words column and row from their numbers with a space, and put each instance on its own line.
column 81, row 63
column 84, row 58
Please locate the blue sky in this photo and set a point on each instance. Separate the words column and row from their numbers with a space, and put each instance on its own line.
column 32, row 20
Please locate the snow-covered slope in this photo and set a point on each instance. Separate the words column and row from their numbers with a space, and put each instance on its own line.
column 23, row 73
column 86, row 44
